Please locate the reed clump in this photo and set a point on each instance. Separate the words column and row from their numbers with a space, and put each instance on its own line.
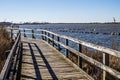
column 5, row 45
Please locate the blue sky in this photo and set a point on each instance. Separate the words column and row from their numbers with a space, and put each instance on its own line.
column 67, row 11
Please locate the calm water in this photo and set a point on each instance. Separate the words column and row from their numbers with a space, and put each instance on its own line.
column 99, row 34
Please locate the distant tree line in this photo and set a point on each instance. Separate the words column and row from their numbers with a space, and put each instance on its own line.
column 4, row 24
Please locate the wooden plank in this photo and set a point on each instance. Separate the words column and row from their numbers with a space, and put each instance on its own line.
column 48, row 62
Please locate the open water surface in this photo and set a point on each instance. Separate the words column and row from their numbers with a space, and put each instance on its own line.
column 101, row 34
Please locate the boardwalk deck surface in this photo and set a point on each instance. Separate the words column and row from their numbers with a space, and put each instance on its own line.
column 41, row 62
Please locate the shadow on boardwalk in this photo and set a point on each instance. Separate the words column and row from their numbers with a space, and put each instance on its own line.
column 41, row 61
column 36, row 66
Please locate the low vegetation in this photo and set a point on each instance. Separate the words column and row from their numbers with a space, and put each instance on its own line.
column 5, row 45
column 92, row 70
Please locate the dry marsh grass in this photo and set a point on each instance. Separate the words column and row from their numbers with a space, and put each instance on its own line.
column 92, row 70
column 5, row 45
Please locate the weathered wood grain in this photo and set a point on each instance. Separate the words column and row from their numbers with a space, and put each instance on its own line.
column 46, row 63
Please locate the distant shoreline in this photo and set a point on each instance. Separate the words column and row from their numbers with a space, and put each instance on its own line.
column 4, row 24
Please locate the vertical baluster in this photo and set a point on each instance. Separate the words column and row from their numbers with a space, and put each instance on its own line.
column 33, row 36
column 24, row 33
column 11, row 34
column 79, row 58
column 42, row 35
column 45, row 36
column 58, row 39
column 48, row 38
column 17, row 35
column 66, row 50
column 53, row 40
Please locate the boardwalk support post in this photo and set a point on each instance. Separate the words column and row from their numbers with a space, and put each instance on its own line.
column 66, row 50
column 53, row 40
column 33, row 36
column 58, row 39
column 24, row 33
column 80, row 58
column 48, row 38
column 11, row 34
column 45, row 36
column 42, row 35
column 106, row 62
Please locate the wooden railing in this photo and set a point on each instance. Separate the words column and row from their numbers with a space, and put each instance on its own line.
column 10, row 68
column 54, row 39
column 50, row 38
column 106, row 52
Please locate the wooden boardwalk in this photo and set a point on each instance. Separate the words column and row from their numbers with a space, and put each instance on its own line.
column 42, row 62
column 38, row 60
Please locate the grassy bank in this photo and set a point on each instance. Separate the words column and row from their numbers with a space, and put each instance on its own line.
column 5, row 45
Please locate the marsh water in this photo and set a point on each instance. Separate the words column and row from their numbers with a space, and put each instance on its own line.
column 107, row 35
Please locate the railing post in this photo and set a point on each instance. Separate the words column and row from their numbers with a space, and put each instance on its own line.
column 42, row 35
column 11, row 34
column 66, row 50
column 58, row 39
column 20, row 35
column 45, row 36
column 80, row 58
column 48, row 37
column 53, row 40
column 33, row 36
column 17, row 35
column 106, row 62
column 24, row 33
